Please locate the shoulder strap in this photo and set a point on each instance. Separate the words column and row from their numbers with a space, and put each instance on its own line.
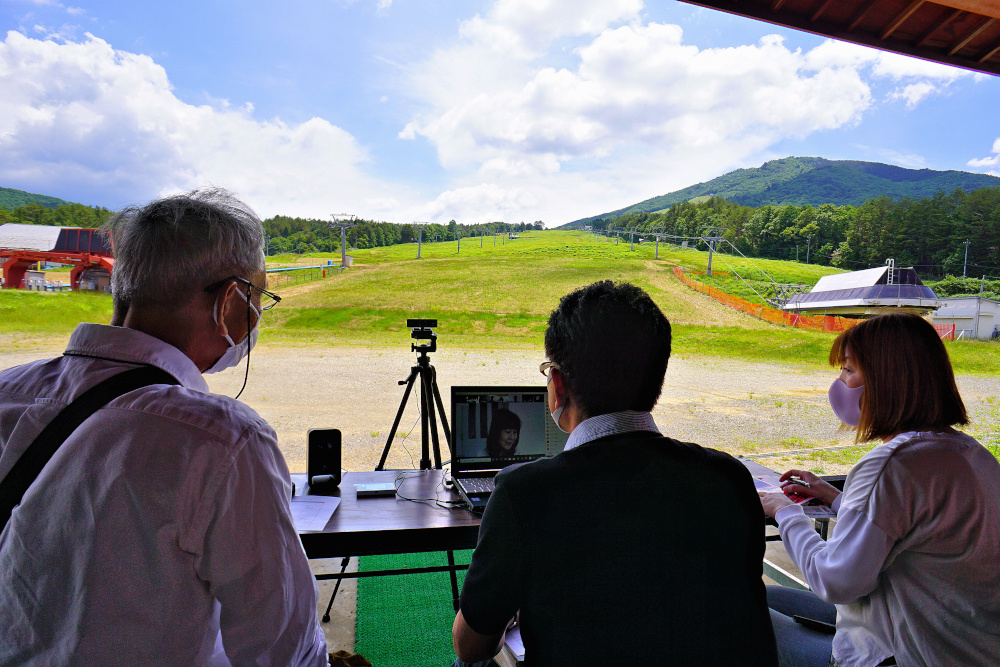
column 27, row 468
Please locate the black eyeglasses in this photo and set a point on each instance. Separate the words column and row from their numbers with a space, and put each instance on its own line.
column 268, row 300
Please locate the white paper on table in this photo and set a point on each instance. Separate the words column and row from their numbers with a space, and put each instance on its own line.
column 514, row 643
column 311, row 513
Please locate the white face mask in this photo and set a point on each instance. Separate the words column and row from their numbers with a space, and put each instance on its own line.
column 235, row 352
column 556, row 414
column 846, row 402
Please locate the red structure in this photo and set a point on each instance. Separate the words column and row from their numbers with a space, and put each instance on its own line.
column 83, row 248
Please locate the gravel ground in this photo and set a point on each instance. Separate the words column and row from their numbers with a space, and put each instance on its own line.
column 737, row 406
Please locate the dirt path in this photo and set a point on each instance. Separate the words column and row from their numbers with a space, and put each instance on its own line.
column 693, row 307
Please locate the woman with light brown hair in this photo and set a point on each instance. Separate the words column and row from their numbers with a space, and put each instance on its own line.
column 911, row 572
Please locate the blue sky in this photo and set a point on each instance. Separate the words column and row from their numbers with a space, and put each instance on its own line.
column 473, row 110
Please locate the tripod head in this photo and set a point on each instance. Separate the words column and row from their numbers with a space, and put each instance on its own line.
column 423, row 329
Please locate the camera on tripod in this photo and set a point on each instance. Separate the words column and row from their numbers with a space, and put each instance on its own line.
column 430, row 397
column 423, row 329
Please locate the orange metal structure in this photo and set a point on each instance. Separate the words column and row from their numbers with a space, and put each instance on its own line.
column 83, row 248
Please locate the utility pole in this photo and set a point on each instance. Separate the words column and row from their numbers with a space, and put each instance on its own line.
column 458, row 233
column 631, row 246
column 796, row 252
column 808, row 246
column 657, row 247
column 343, row 220
column 966, row 264
column 979, row 306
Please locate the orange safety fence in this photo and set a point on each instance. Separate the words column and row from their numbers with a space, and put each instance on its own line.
column 788, row 318
column 946, row 331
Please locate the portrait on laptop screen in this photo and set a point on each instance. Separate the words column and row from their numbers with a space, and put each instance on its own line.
column 497, row 425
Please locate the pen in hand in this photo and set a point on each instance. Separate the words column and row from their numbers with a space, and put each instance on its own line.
column 795, row 480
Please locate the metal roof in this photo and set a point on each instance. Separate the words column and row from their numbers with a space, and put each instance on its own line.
column 963, row 33
column 869, row 288
column 29, row 237
column 840, row 281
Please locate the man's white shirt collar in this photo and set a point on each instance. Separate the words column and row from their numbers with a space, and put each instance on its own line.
column 613, row 423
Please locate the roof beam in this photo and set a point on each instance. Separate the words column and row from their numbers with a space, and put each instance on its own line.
column 819, row 12
column 862, row 13
column 971, row 36
column 992, row 52
column 940, row 23
column 901, row 18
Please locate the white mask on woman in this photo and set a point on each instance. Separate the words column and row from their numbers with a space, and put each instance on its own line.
column 846, row 402
column 235, row 352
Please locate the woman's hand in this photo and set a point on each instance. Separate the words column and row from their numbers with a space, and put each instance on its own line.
column 823, row 491
column 772, row 501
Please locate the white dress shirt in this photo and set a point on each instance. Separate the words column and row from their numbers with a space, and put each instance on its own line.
column 163, row 520
column 913, row 564
column 612, row 423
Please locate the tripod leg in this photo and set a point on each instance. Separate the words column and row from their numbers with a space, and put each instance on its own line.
column 440, row 407
column 399, row 415
column 425, row 450
column 343, row 568
column 428, row 389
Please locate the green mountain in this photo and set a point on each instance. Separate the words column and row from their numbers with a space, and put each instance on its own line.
column 11, row 199
column 814, row 180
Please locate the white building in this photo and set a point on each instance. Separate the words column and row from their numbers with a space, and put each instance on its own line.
column 965, row 311
column 866, row 293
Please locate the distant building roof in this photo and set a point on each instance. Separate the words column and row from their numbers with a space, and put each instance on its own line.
column 866, row 293
column 29, row 237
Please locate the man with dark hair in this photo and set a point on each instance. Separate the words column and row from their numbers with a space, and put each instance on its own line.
column 159, row 532
column 628, row 547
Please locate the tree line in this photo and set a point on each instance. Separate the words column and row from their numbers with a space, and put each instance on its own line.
column 65, row 215
column 928, row 234
column 303, row 235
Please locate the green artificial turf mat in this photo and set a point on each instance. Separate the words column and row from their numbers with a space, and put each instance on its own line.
column 405, row 620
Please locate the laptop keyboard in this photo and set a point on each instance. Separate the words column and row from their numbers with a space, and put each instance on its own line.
column 478, row 485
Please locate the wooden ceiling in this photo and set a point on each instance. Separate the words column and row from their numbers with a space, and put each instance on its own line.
column 963, row 33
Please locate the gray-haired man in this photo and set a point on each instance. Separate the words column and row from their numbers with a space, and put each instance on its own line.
column 160, row 531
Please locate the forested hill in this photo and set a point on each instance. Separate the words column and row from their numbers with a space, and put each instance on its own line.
column 11, row 199
column 814, row 181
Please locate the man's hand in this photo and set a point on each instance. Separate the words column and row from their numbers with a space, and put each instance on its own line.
column 823, row 491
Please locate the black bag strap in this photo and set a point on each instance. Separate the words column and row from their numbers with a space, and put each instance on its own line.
column 27, row 468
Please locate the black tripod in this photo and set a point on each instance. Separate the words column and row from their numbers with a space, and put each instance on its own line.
column 429, row 398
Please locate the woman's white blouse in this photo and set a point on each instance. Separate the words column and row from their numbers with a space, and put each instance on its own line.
column 913, row 563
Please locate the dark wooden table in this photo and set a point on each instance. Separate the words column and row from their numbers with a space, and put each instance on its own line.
column 382, row 526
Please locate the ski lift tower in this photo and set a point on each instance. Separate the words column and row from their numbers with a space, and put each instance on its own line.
column 711, row 236
column 342, row 220
column 420, row 235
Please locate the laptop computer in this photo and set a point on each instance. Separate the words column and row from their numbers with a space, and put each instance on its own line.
column 494, row 427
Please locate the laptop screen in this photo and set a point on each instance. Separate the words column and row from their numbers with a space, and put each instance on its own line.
column 495, row 426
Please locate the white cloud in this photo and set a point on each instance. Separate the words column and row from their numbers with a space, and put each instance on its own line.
column 524, row 28
column 635, row 111
column 75, row 116
column 76, row 11
column 640, row 107
column 985, row 162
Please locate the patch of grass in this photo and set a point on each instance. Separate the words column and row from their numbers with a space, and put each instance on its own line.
column 22, row 311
